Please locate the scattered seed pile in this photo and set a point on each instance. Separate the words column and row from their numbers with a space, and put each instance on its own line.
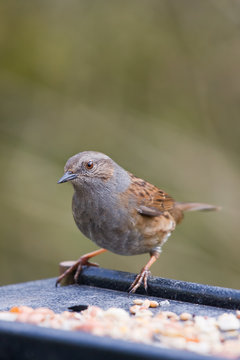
column 206, row 335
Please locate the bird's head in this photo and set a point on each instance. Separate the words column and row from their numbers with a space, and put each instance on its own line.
column 86, row 167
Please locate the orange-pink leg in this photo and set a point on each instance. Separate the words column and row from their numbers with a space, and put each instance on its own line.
column 83, row 260
column 143, row 275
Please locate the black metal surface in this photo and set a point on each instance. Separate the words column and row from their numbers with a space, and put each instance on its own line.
column 102, row 288
column 165, row 288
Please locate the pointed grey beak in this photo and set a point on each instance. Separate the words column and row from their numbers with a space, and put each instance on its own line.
column 66, row 177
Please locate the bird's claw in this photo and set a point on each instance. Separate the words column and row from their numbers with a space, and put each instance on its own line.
column 142, row 277
column 77, row 266
column 79, row 269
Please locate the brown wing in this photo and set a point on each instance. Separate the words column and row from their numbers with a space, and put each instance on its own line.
column 151, row 200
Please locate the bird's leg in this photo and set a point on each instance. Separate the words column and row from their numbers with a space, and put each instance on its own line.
column 143, row 275
column 83, row 260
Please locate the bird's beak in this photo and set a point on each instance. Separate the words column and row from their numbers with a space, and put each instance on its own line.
column 66, row 177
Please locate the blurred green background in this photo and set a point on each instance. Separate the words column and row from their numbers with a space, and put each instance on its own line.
column 156, row 86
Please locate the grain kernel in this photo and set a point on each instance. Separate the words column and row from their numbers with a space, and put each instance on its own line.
column 185, row 316
column 138, row 301
column 164, row 303
column 153, row 304
column 134, row 309
column 145, row 304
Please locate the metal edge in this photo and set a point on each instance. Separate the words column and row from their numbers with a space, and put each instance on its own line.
column 166, row 288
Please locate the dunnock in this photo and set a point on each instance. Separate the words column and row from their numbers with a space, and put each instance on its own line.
column 120, row 212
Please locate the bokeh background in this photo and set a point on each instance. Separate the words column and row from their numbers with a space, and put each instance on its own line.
column 155, row 84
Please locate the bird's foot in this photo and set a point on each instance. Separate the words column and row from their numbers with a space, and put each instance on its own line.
column 142, row 277
column 77, row 268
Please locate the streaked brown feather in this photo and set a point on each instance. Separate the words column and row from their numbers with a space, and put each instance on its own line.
column 158, row 212
column 152, row 201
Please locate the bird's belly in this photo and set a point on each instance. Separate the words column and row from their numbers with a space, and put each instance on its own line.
column 123, row 238
column 127, row 243
column 115, row 239
column 120, row 233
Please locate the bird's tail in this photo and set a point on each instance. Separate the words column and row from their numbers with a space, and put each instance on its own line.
column 192, row 206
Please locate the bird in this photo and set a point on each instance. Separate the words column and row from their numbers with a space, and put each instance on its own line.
column 120, row 212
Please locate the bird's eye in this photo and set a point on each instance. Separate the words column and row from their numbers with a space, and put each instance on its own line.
column 89, row 164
